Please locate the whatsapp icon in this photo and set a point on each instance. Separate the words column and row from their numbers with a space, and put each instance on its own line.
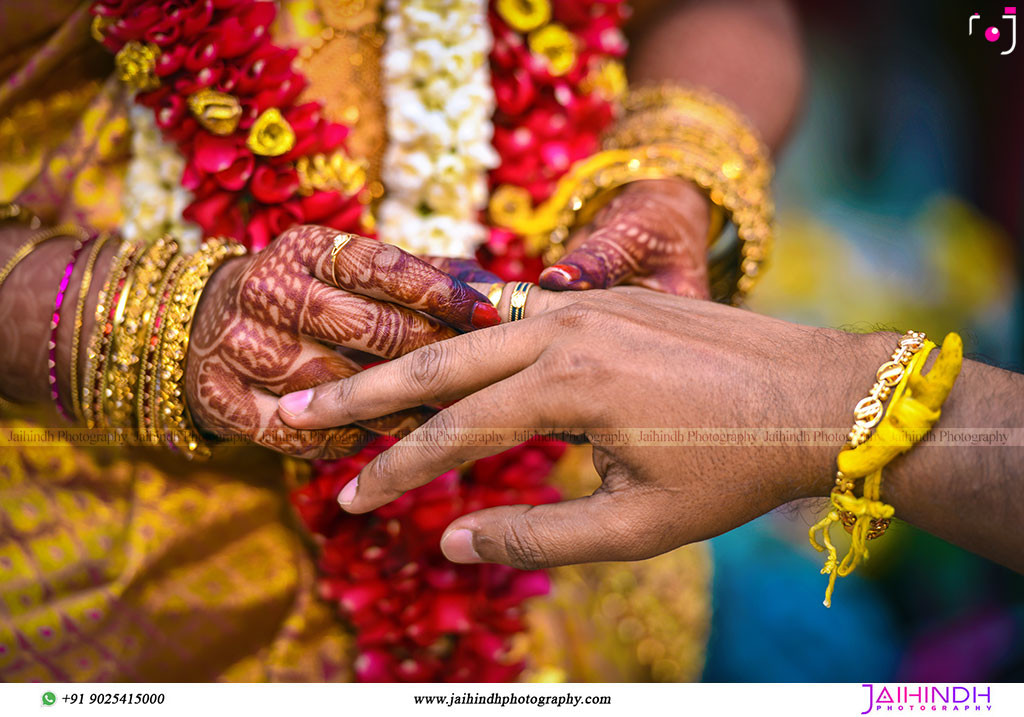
column 49, row 698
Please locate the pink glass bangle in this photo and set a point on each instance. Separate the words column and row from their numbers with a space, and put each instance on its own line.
column 58, row 302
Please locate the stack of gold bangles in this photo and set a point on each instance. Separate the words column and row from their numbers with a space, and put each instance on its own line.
column 664, row 132
column 135, row 359
column 132, row 379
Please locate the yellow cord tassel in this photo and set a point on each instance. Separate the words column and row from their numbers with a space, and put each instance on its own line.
column 915, row 407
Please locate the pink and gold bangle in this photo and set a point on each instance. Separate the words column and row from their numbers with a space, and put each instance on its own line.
column 76, row 336
column 58, row 304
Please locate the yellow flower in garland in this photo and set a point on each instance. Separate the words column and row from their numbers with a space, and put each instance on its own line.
column 508, row 204
column 524, row 15
column 218, row 112
column 271, row 135
column 335, row 173
column 136, row 65
column 556, row 45
column 608, row 79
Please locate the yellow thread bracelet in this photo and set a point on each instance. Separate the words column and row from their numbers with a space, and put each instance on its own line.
column 915, row 407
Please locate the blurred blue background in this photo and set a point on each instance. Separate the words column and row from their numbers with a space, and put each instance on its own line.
column 899, row 200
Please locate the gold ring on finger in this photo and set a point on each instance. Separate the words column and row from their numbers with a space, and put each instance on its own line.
column 340, row 240
column 517, row 302
column 494, row 294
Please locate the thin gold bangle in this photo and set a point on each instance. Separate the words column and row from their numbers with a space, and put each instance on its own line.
column 14, row 212
column 76, row 336
column 64, row 230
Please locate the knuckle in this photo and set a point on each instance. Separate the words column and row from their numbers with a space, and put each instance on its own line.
column 574, row 317
column 522, row 547
column 568, row 363
column 252, row 290
column 440, row 432
column 376, row 469
column 383, row 476
column 387, row 255
column 426, row 367
column 584, row 313
column 442, row 443
column 339, row 402
column 301, row 239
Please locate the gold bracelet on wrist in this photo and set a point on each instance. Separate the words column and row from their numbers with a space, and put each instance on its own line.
column 171, row 417
column 734, row 165
column 106, row 370
column 129, row 331
column 915, row 403
column 868, row 413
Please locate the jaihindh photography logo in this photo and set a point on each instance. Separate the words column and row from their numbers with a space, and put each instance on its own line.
column 1002, row 33
column 927, row 698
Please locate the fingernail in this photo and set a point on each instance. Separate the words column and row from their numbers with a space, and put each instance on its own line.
column 348, row 493
column 484, row 315
column 457, row 546
column 562, row 276
column 296, row 403
column 568, row 271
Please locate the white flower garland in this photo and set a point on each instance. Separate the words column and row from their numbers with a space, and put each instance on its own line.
column 153, row 198
column 439, row 99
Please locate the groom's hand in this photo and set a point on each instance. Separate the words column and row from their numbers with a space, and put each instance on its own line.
column 660, row 385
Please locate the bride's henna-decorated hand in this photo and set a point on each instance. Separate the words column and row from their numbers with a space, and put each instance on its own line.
column 266, row 325
column 654, row 234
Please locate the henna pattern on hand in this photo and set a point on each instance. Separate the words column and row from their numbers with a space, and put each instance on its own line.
column 261, row 320
column 381, row 271
column 645, row 236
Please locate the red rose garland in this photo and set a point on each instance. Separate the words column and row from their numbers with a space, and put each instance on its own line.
column 551, row 110
column 416, row 617
column 225, row 46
